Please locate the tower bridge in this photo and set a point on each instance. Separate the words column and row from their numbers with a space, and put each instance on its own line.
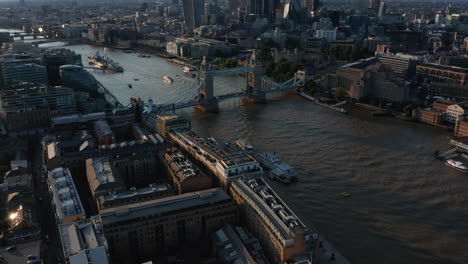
column 22, row 35
column 201, row 91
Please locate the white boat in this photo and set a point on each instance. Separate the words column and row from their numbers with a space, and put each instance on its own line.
column 168, row 79
column 457, row 165
column 279, row 170
column 243, row 144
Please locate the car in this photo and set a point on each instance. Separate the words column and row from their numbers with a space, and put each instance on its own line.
column 10, row 248
column 32, row 257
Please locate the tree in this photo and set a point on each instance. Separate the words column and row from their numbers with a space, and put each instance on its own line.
column 270, row 43
column 269, row 68
column 408, row 110
column 311, row 87
column 292, row 43
column 340, row 94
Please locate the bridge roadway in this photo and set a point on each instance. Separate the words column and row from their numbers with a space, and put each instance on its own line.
column 220, row 98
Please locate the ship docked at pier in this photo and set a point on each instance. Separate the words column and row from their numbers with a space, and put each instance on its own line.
column 104, row 63
column 278, row 170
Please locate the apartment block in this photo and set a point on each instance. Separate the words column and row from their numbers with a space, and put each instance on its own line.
column 65, row 199
column 138, row 232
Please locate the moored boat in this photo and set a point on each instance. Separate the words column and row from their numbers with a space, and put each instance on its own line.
column 457, row 165
column 279, row 170
column 168, row 79
column 243, row 144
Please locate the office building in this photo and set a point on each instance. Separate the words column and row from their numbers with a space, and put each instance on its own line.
column 294, row 11
column 461, row 127
column 185, row 176
column 401, row 64
column 138, row 232
column 360, row 5
column 77, row 78
column 374, row 4
column 65, row 199
column 59, row 100
column 103, row 133
column 32, row 107
column 329, row 35
column 282, row 234
column 457, row 61
column 312, row 6
column 166, row 123
column 382, row 9
column 193, row 12
column 122, row 116
column 456, row 110
column 83, row 242
column 54, row 58
column 102, row 177
column 23, row 70
column 441, row 73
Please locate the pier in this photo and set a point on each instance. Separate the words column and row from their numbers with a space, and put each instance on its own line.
column 335, row 107
column 108, row 95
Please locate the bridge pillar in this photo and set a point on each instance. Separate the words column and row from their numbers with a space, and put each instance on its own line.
column 34, row 36
column 22, row 37
column 206, row 93
column 254, row 80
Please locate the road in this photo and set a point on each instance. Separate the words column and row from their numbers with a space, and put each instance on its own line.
column 52, row 249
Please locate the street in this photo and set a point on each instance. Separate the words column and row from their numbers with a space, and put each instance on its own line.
column 51, row 244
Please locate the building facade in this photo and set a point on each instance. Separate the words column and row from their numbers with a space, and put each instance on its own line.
column 281, row 232
column 138, row 232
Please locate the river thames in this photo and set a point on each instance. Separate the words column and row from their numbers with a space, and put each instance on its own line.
column 405, row 206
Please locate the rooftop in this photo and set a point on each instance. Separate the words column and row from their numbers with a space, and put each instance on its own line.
column 64, row 194
column 164, row 205
column 125, row 197
column 82, row 239
column 102, row 176
column 444, row 67
column 284, row 220
column 228, row 154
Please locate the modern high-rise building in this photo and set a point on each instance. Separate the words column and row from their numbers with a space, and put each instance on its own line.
column 360, row 5
column 382, row 9
column 293, row 10
column 374, row 4
column 74, row 76
column 25, row 70
column 193, row 12
column 55, row 58
column 311, row 5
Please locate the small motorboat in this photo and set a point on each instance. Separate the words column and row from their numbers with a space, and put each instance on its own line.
column 345, row 194
column 168, row 79
column 458, row 165
column 136, row 80
column 130, row 86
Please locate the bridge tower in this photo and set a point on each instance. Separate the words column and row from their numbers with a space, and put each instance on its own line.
column 254, row 79
column 206, row 93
